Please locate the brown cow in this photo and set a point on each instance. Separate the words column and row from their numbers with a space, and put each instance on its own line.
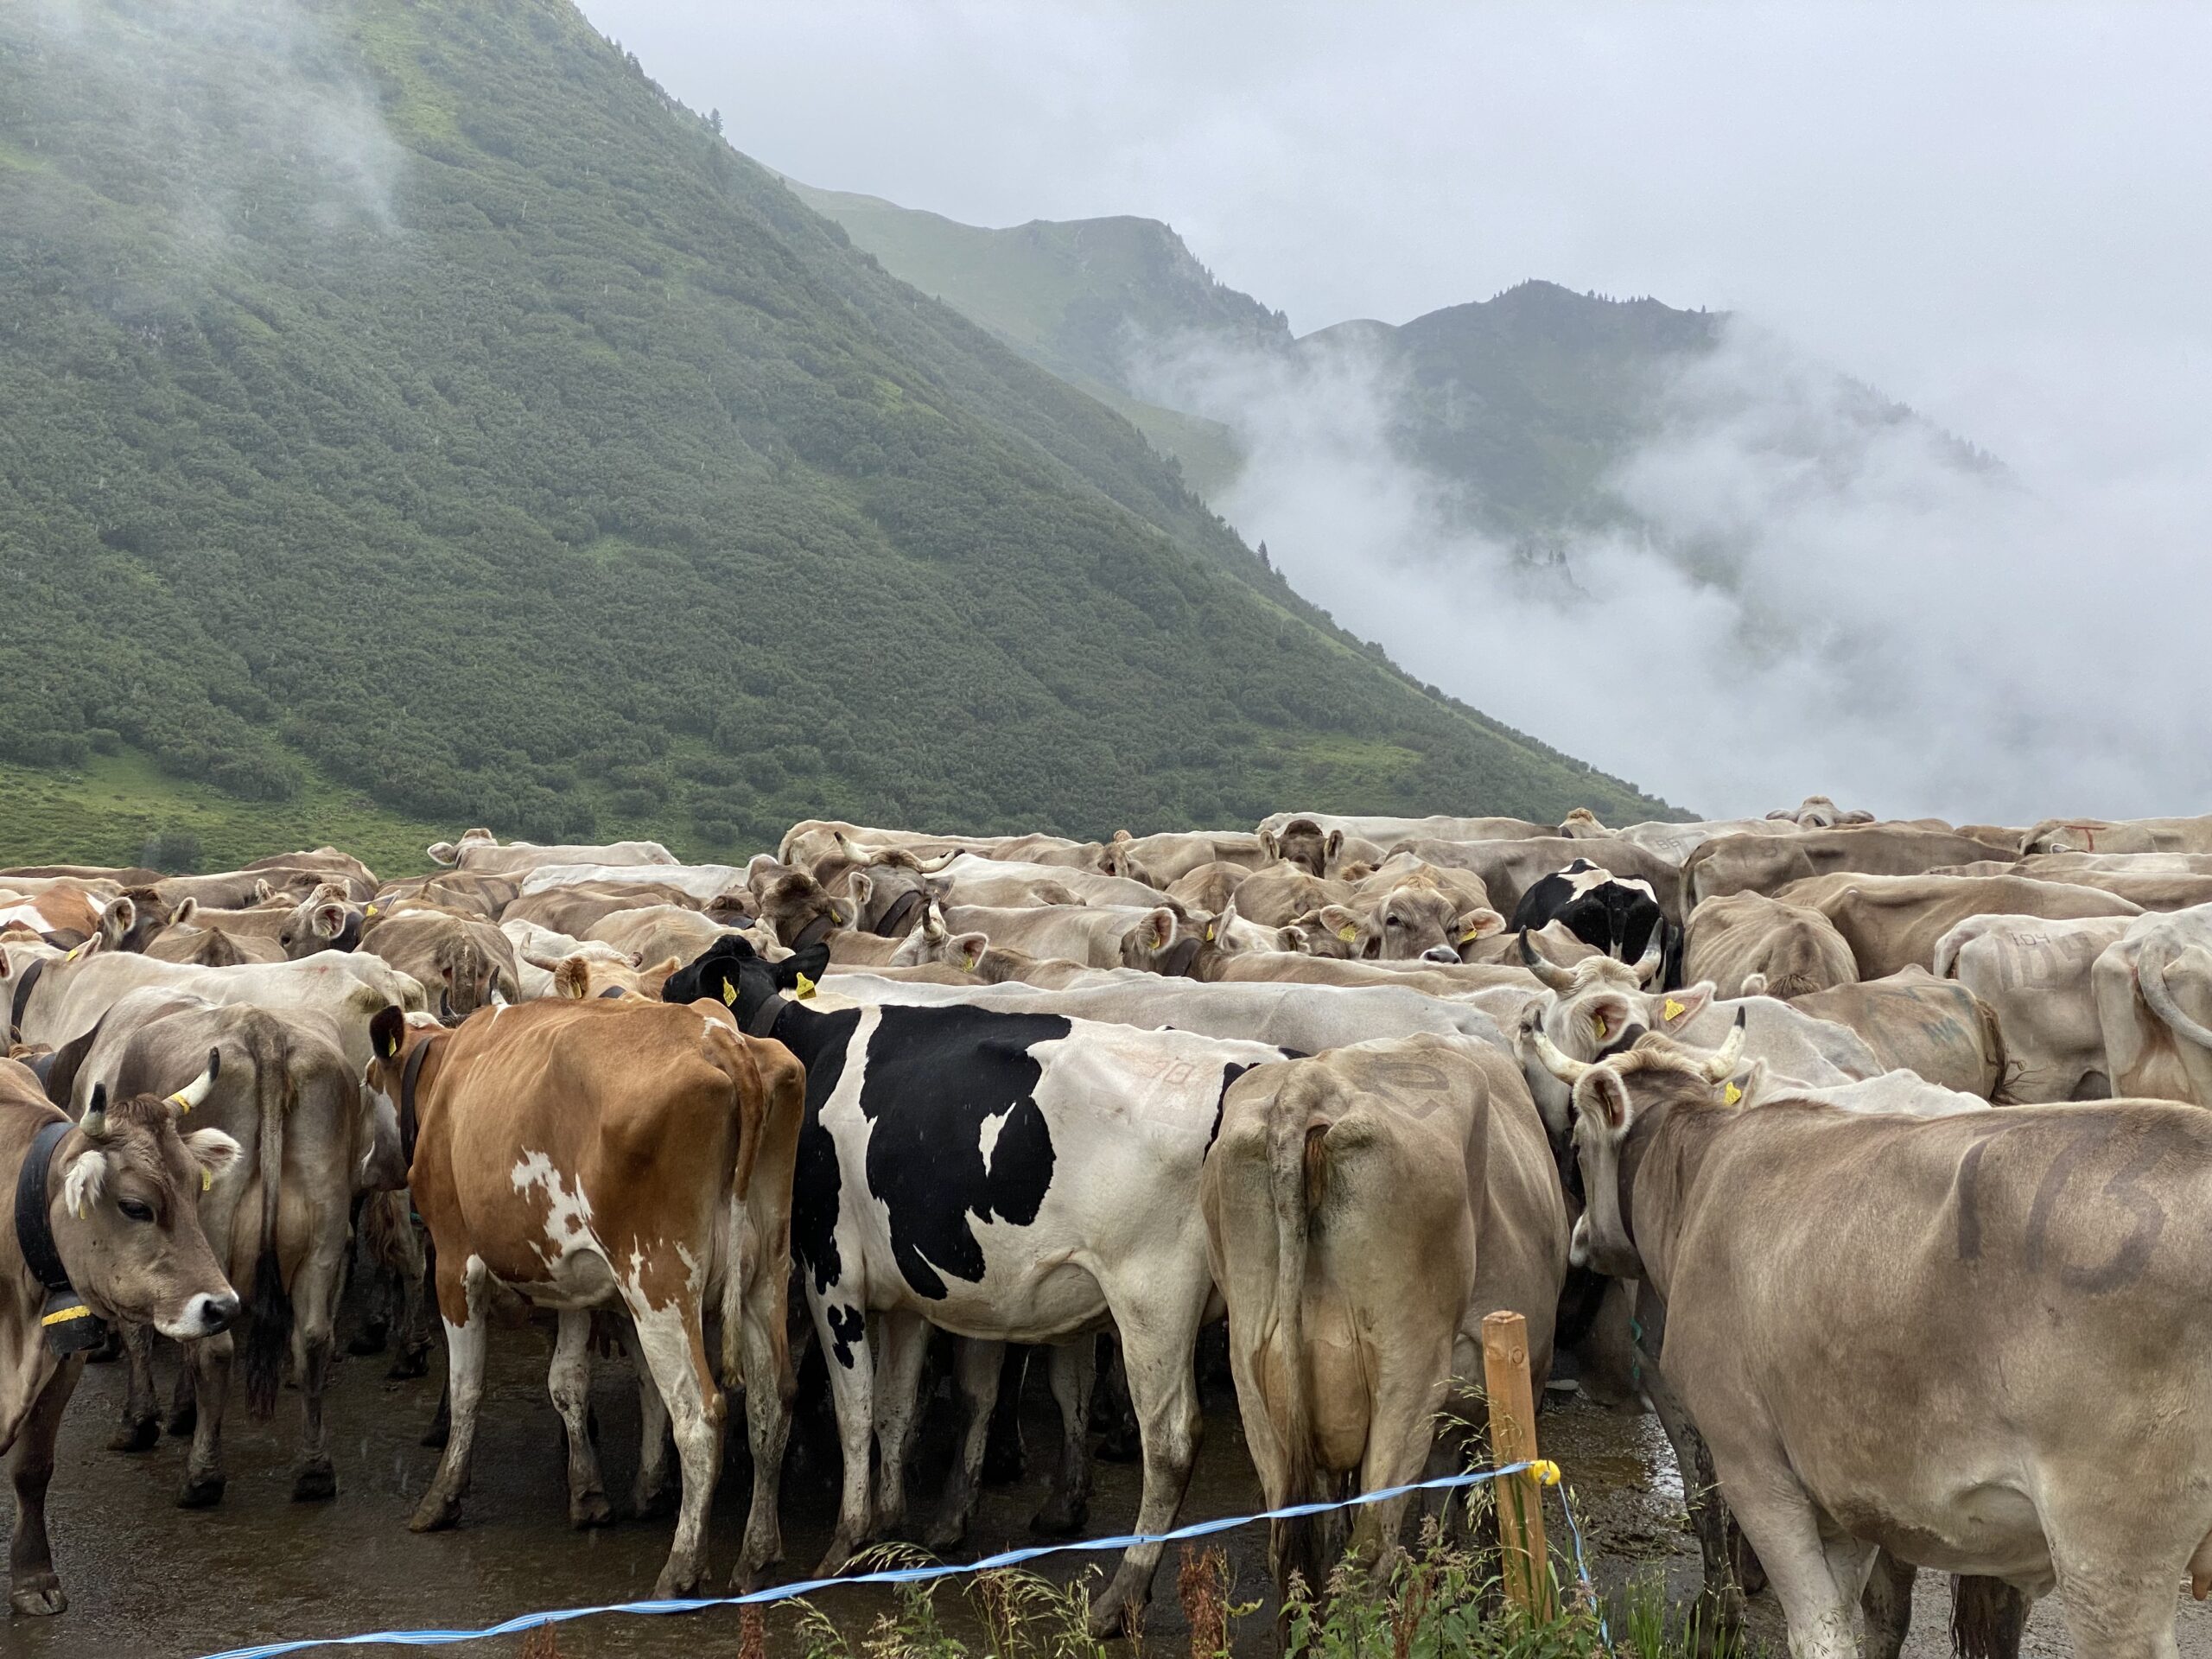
column 1913, row 1018
column 572, row 910
column 120, row 1207
column 1895, row 921
column 1769, row 863
column 619, row 1154
column 1748, row 944
column 459, row 960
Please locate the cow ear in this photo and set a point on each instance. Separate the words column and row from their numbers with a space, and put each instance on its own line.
column 1160, row 924
column 386, row 1028
column 1603, row 1093
column 1268, row 846
column 813, row 962
column 184, row 913
column 1480, row 923
column 1340, row 922
column 117, row 920
column 1292, row 939
column 443, row 852
column 328, row 919
column 964, row 951
column 213, row 1151
column 862, row 888
column 1609, row 1014
column 1678, row 1008
column 572, row 978
column 1332, row 846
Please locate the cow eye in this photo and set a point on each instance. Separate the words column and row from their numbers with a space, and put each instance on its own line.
column 1391, row 922
column 283, row 938
column 135, row 1209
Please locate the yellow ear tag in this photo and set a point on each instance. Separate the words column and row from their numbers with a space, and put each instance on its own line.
column 1732, row 1094
column 371, row 911
column 803, row 989
column 1671, row 1010
column 1347, row 934
column 1598, row 1020
column 1209, row 933
column 73, row 949
column 1469, row 936
column 729, row 993
column 967, row 963
column 206, row 1180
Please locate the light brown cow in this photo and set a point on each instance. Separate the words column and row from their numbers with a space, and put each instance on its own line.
column 1748, row 944
column 616, row 1154
column 1208, row 889
column 573, row 910
column 1924, row 1023
column 482, row 853
column 2034, row 975
column 1165, row 859
column 1406, row 922
column 1895, row 921
column 458, row 960
column 119, row 1205
column 1365, row 1211
column 2119, row 835
column 2153, row 989
column 1281, row 894
column 1769, row 863
column 1510, row 868
column 589, row 977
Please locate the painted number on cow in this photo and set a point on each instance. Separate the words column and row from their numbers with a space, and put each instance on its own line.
column 2122, row 1195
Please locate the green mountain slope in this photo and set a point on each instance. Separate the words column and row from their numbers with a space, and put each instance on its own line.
column 410, row 405
column 1522, row 405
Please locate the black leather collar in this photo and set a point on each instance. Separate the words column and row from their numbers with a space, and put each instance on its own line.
column 34, row 1233
column 901, row 907
column 815, row 931
column 410, row 1069
column 767, row 1015
column 21, row 999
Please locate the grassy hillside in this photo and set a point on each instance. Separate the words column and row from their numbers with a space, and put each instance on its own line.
column 408, row 401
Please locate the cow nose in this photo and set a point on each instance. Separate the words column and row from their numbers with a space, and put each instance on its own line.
column 213, row 1314
column 1441, row 953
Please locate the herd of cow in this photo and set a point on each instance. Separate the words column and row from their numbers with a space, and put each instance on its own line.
column 1710, row 1104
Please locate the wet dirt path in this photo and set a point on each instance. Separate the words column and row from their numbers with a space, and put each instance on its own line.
column 146, row 1579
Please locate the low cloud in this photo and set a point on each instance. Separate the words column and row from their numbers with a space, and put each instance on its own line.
column 1820, row 602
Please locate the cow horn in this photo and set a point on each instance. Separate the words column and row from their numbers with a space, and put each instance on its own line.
column 932, row 866
column 95, row 1121
column 1724, row 1058
column 1569, row 1072
column 1654, row 955
column 1548, row 972
column 446, row 1015
column 195, row 1093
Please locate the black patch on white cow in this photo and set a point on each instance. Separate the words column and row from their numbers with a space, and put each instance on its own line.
column 815, row 1182
column 1605, row 912
column 935, row 1078
column 1229, row 1073
column 847, row 1327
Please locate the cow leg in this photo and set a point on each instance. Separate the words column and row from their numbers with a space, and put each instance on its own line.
column 1887, row 1603
column 1072, row 1370
column 209, row 1361
column 418, row 1262
column 567, row 1379
column 1400, row 1432
column 1119, row 1441
column 905, row 1341
column 140, row 1429
column 1779, row 1517
column 184, row 1402
column 841, row 1329
column 767, row 1431
column 1005, row 1459
column 658, row 1486
column 1157, row 1340
column 315, row 1319
column 32, row 1585
column 977, row 1368
column 1722, row 1598
column 674, row 1348
column 461, row 1304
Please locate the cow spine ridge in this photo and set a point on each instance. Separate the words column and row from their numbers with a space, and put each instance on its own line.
column 269, row 1334
column 1298, row 1175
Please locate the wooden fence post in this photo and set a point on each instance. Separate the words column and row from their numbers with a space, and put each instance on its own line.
column 1513, row 1440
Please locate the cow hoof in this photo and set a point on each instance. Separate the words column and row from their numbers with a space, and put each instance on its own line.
column 140, row 1434
column 834, row 1563
column 370, row 1340
column 436, row 1435
column 678, row 1583
column 1060, row 1520
column 314, row 1482
column 183, row 1421
column 1111, row 1617
column 408, row 1363
column 661, row 1500
column 201, row 1491
column 435, row 1514
column 946, row 1535
column 38, row 1594
column 591, row 1509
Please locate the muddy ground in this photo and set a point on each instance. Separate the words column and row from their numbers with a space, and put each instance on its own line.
column 148, row 1579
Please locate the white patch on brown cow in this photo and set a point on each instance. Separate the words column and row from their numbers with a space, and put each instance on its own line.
column 568, row 1213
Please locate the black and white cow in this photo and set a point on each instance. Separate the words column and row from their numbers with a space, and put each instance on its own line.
column 1009, row 1177
column 1618, row 916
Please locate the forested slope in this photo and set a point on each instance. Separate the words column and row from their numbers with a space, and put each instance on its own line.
column 409, row 401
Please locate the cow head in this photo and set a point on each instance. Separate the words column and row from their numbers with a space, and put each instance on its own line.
column 1635, row 1086
column 392, row 1034
column 466, row 973
column 1581, row 822
column 796, row 906
column 135, row 917
column 1303, row 843
column 1408, row 922
column 1118, row 857
column 1583, row 1009
column 324, row 920
column 731, row 972
column 124, row 1207
column 1155, row 943
column 586, row 977
column 888, row 896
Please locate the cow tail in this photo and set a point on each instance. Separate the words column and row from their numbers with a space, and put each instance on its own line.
column 748, row 1094
column 269, row 1332
column 1297, row 1173
column 2151, row 975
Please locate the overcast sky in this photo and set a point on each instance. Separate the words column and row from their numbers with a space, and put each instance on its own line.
column 2000, row 213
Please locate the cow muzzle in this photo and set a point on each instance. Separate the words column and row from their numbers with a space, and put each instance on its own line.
column 205, row 1315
